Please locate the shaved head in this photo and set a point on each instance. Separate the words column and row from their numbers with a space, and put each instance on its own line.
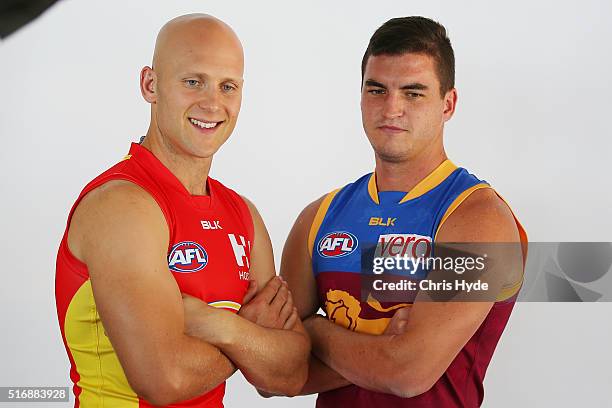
column 182, row 34
column 194, row 87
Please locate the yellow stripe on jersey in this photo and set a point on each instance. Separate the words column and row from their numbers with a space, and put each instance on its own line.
column 373, row 189
column 318, row 219
column 102, row 380
column 508, row 290
column 460, row 199
column 226, row 304
column 430, row 182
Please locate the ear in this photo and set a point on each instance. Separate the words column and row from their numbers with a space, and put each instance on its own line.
column 148, row 84
column 450, row 103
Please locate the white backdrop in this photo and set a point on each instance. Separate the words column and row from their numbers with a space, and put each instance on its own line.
column 534, row 97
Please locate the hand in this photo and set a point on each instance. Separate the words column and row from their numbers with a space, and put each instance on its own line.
column 272, row 307
column 399, row 321
column 206, row 322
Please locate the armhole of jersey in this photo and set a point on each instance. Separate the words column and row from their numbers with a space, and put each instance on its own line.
column 318, row 219
column 457, row 202
column 246, row 212
column 510, row 290
column 88, row 189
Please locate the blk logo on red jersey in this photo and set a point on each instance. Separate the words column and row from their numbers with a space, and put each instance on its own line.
column 211, row 225
column 187, row 257
column 337, row 244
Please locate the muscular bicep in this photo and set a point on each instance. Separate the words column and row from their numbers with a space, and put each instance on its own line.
column 120, row 233
column 261, row 267
column 262, row 258
column 296, row 263
column 442, row 321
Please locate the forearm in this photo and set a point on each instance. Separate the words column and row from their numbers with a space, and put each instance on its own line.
column 181, row 369
column 201, row 367
column 368, row 361
column 321, row 378
column 273, row 360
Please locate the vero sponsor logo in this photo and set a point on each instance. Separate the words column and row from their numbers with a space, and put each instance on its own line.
column 187, row 257
column 337, row 244
column 403, row 245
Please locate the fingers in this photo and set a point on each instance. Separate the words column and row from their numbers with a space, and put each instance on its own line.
column 399, row 321
column 292, row 320
column 401, row 326
column 272, row 307
column 281, row 297
column 402, row 313
column 269, row 291
column 392, row 328
column 286, row 309
column 251, row 291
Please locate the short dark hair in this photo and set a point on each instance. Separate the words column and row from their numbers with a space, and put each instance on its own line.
column 415, row 34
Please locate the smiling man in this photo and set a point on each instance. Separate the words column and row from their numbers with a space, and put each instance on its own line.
column 165, row 281
column 402, row 351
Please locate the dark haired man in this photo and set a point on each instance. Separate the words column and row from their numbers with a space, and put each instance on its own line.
column 408, row 353
column 155, row 226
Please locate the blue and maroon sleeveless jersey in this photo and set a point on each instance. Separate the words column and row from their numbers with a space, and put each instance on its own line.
column 208, row 255
column 398, row 224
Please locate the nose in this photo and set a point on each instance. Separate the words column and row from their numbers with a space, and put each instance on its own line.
column 392, row 107
column 209, row 99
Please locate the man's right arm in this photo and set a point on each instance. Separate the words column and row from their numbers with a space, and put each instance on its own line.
column 120, row 233
column 296, row 269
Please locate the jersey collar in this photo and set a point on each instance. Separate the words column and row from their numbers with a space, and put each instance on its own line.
column 428, row 183
column 166, row 178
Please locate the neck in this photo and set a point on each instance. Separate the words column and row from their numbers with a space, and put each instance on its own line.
column 191, row 171
column 405, row 175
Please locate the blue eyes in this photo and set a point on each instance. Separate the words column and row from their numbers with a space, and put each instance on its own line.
column 194, row 83
column 228, row 88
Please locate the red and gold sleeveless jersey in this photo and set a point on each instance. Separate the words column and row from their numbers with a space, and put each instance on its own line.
column 208, row 255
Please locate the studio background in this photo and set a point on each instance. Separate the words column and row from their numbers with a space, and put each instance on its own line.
column 534, row 86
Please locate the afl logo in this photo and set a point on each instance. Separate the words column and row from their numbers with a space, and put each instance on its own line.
column 187, row 257
column 337, row 244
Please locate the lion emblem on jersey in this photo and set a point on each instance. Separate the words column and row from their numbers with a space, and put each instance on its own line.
column 343, row 309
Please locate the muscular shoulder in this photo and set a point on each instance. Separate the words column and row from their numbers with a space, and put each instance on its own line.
column 117, row 210
column 116, row 193
column 308, row 214
column 482, row 217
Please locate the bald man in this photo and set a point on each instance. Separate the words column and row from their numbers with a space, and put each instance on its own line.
column 165, row 280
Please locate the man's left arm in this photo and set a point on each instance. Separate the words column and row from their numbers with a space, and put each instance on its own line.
column 408, row 364
column 274, row 349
